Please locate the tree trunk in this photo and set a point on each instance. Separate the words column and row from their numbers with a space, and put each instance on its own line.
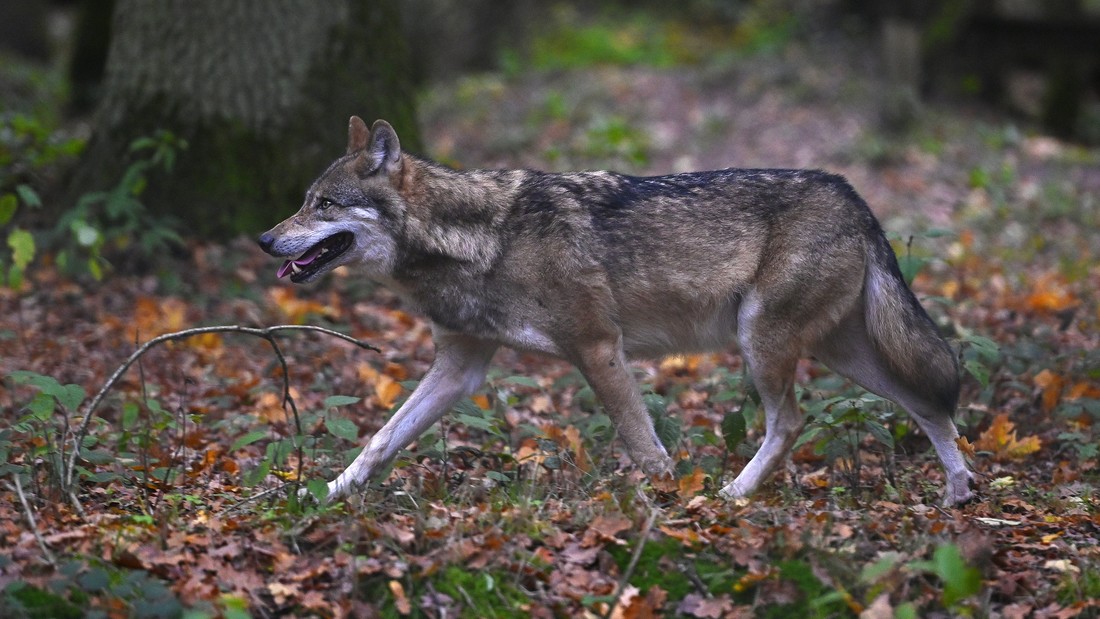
column 260, row 89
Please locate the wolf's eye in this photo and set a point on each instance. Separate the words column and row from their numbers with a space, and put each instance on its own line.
column 325, row 203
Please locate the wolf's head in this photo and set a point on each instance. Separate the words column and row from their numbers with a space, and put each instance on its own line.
column 352, row 212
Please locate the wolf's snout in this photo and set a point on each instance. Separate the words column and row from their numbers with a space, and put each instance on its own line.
column 266, row 240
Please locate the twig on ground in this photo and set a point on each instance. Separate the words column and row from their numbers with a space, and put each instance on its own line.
column 634, row 558
column 256, row 497
column 31, row 521
column 266, row 333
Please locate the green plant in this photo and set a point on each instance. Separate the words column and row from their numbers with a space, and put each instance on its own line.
column 837, row 426
column 1080, row 587
column 116, row 219
column 81, row 583
column 960, row 581
column 19, row 241
column 613, row 40
column 912, row 263
column 39, row 434
column 29, row 151
column 614, row 138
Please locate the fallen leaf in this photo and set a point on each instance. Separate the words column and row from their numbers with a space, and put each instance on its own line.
column 998, row 522
column 400, row 600
column 692, row 483
column 576, row 445
column 696, row 605
column 1051, row 385
column 295, row 309
column 879, row 609
column 1000, row 440
column 687, row 536
column 608, row 527
column 1050, row 293
column 1062, row 565
column 966, row 447
column 282, row 592
column 624, row 605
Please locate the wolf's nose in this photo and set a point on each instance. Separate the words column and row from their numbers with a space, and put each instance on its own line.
column 266, row 240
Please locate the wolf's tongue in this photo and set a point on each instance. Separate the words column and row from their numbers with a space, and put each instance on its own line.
column 306, row 258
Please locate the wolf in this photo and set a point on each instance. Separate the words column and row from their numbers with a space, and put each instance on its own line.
column 599, row 268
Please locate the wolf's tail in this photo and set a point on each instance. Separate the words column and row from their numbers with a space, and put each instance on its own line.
column 904, row 335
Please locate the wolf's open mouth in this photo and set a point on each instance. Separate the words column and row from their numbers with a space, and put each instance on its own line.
column 315, row 259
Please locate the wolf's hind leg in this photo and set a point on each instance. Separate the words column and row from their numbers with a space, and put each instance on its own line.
column 850, row 352
column 772, row 357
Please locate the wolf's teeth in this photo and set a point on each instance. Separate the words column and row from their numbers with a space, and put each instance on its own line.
column 294, row 267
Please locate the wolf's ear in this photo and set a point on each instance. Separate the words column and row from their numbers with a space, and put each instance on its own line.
column 357, row 135
column 383, row 152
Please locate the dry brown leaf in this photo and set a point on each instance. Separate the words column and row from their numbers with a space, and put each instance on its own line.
column 607, row 528
column 400, row 600
column 576, row 445
column 1000, row 440
column 687, row 536
column 696, row 605
column 295, row 309
column 282, row 592
column 692, row 483
column 1051, row 385
column 1050, row 293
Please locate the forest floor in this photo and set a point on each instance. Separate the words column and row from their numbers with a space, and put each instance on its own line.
column 523, row 503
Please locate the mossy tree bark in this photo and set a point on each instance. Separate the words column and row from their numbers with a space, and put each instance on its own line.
column 260, row 89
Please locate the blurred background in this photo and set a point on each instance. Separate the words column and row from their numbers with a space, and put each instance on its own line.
column 144, row 145
column 127, row 126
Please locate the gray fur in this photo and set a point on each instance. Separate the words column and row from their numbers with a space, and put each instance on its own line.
column 599, row 268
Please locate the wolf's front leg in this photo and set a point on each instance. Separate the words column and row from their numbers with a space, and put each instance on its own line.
column 458, row 370
column 604, row 366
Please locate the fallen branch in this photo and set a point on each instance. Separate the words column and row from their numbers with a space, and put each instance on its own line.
column 266, row 333
column 628, row 573
column 31, row 521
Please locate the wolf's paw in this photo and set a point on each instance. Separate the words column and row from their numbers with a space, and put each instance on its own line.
column 960, row 490
column 307, row 497
column 658, row 466
column 735, row 493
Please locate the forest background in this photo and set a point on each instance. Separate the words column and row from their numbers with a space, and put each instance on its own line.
column 163, row 397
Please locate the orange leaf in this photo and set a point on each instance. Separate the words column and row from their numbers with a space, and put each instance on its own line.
column 401, row 601
column 295, row 309
column 1000, row 440
column 688, row 537
column 1051, row 384
column 1050, row 294
column 386, row 390
column 965, row 446
column 482, row 401
column 1083, row 390
column 608, row 527
column 153, row 317
column 693, row 483
column 576, row 445
column 683, row 364
column 209, row 342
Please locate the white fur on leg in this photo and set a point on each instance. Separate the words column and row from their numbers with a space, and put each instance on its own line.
column 458, row 370
column 783, row 423
column 943, row 434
